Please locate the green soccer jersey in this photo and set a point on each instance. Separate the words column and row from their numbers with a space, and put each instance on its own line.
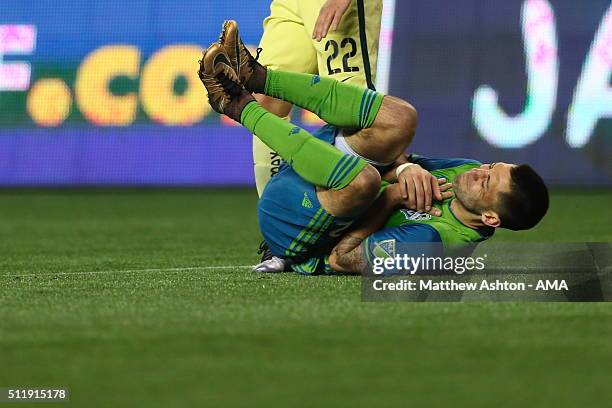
column 447, row 226
column 409, row 226
column 406, row 229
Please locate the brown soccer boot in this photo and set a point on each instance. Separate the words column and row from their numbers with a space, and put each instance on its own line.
column 250, row 72
column 226, row 94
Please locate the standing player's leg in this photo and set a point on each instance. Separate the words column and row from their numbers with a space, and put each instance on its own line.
column 286, row 46
column 314, row 160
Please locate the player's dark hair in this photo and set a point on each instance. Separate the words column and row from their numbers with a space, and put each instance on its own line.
column 527, row 201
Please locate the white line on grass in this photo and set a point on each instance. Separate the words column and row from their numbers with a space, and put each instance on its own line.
column 188, row 268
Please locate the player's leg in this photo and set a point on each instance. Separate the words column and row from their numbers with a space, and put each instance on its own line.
column 349, row 54
column 337, row 103
column 286, row 46
column 382, row 126
column 265, row 160
column 355, row 198
column 314, row 160
column 348, row 184
column 390, row 134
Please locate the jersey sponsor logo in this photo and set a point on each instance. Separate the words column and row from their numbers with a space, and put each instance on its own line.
column 384, row 249
column 306, row 201
column 294, row 130
column 415, row 215
column 315, row 80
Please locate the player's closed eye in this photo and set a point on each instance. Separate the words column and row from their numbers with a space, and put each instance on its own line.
column 489, row 175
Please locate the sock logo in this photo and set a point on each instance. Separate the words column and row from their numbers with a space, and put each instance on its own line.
column 306, row 201
column 315, row 80
column 294, row 130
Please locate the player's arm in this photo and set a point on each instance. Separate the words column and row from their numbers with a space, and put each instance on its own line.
column 330, row 15
column 413, row 239
column 346, row 257
column 389, row 175
column 431, row 164
column 418, row 186
column 427, row 163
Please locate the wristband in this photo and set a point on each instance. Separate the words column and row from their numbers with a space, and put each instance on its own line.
column 402, row 167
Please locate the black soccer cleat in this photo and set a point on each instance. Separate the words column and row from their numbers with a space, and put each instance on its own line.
column 264, row 251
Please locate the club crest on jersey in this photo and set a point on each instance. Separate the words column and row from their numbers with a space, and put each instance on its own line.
column 294, row 130
column 384, row 249
column 415, row 215
column 315, row 80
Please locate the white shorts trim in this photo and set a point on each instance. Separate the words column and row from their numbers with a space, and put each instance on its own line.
column 342, row 145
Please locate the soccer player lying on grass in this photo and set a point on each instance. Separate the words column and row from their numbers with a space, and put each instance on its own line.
column 322, row 189
column 486, row 197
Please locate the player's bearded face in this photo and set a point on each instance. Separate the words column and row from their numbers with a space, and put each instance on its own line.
column 478, row 189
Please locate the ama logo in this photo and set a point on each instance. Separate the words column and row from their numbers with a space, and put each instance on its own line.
column 545, row 284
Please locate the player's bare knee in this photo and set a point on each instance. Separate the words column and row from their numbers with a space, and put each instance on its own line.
column 405, row 120
column 397, row 113
column 404, row 128
column 366, row 185
column 397, row 123
column 410, row 118
column 355, row 198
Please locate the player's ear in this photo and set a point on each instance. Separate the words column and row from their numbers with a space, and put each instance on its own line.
column 490, row 218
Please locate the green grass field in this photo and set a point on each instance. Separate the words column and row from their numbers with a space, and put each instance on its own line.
column 142, row 299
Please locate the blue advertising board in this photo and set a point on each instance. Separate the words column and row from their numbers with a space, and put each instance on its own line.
column 515, row 81
column 105, row 93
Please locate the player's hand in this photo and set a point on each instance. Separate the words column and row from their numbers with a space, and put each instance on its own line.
column 330, row 15
column 419, row 188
